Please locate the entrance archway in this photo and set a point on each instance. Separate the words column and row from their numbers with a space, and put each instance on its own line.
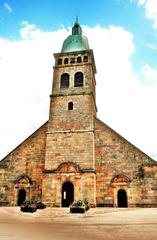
column 67, row 194
column 21, row 196
column 122, row 199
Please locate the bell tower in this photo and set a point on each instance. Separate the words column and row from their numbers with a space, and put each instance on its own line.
column 73, row 104
column 70, row 136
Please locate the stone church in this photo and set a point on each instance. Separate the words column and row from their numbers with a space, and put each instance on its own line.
column 74, row 155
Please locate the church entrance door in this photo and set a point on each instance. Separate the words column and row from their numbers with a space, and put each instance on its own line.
column 21, row 197
column 122, row 199
column 67, row 194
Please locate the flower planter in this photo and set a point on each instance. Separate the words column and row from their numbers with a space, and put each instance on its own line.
column 40, row 205
column 28, row 207
column 32, row 206
column 77, row 210
column 80, row 206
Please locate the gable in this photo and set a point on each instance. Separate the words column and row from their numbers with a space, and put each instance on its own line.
column 29, row 151
column 115, row 151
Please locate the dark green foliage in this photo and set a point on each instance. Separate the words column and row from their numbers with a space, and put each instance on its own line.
column 80, row 206
column 32, row 206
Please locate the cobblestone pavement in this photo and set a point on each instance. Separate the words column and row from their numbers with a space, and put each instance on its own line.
column 96, row 224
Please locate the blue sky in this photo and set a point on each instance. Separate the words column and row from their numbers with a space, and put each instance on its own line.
column 123, row 34
column 50, row 15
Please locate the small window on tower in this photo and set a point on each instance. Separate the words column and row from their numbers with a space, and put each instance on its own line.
column 64, row 80
column 59, row 61
column 79, row 60
column 78, row 82
column 70, row 106
column 85, row 59
column 66, row 61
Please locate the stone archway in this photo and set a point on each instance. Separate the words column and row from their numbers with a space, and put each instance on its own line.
column 22, row 185
column 121, row 184
column 67, row 194
column 122, row 200
column 21, row 197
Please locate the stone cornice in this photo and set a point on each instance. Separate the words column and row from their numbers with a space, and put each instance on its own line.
column 51, row 171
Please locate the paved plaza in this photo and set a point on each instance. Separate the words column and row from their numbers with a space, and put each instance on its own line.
column 96, row 224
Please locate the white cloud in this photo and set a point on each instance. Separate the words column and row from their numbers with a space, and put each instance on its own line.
column 150, row 74
column 7, row 8
column 29, row 31
column 141, row 2
column 26, row 80
column 150, row 10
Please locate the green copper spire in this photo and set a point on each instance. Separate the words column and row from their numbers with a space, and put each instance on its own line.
column 76, row 41
column 76, row 30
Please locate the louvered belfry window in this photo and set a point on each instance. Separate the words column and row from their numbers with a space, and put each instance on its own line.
column 78, row 79
column 64, row 80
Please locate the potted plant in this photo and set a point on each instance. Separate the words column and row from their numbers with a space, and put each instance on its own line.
column 40, row 205
column 32, row 206
column 28, row 206
column 80, row 206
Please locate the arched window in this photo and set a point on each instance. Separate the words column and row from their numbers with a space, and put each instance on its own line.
column 78, row 80
column 64, row 80
column 66, row 61
column 79, row 60
column 59, row 61
column 85, row 59
column 70, row 106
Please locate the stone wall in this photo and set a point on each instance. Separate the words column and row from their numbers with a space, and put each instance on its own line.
column 26, row 161
column 115, row 156
column 149, row 185
column 84, row 187
column 76, row 147
column 80, row 118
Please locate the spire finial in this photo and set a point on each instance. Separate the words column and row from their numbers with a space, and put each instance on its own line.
column 76, row 30
column 77, row 19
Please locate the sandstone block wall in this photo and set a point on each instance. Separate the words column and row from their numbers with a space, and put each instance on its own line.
column 26, row 160
column 77, row 147
column 80, row 118
column 149, row 185
column 116, row 156
column 84, row 187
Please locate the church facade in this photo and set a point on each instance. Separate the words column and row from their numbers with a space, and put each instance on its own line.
column 74, row 155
